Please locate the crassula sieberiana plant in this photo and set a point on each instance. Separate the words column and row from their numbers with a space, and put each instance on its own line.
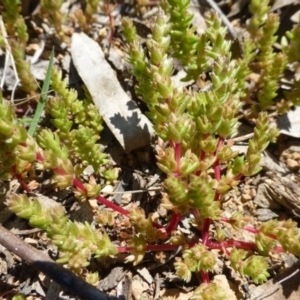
column 194, row 125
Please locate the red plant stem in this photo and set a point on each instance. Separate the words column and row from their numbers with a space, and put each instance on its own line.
column 125, row 249
column 177, row 158
column 22, row 182
column 205, row 277
column 238, row 177
column 175, row 219
column 202, row 155
column 251, row 229
column 247, row 227
column 217, row 196
column 113, row 206
column 217, row 170
column 256, row 231
column 59, row 171
column 157, row 226
column 220, row 144
column 172, row 144
column 278, row 249
column 205, row 229
column 40, row 157
column 231, row 243
column 272, row 236
column 77, row 183
column 217, row 167
column 196, row 213
column 237, row 244
column 160, row 247
column 240, row 244
column 109, row 8
column 197, row 216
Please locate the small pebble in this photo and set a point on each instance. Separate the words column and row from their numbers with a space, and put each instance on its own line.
column 292, row 164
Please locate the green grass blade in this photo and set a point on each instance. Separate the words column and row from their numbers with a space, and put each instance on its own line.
column 43, row 98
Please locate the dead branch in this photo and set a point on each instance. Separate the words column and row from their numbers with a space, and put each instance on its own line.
column 50, row 268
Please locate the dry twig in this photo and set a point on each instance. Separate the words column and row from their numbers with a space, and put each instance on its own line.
column 43, row 263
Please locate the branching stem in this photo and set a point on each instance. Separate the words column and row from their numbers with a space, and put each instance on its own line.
column 160, row 247
column 175, row 219
column 177, row 158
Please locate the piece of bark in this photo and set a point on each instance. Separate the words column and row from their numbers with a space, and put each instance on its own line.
column 131, row 128
column 113, row 278
column 56, row 272
column 284, row 191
